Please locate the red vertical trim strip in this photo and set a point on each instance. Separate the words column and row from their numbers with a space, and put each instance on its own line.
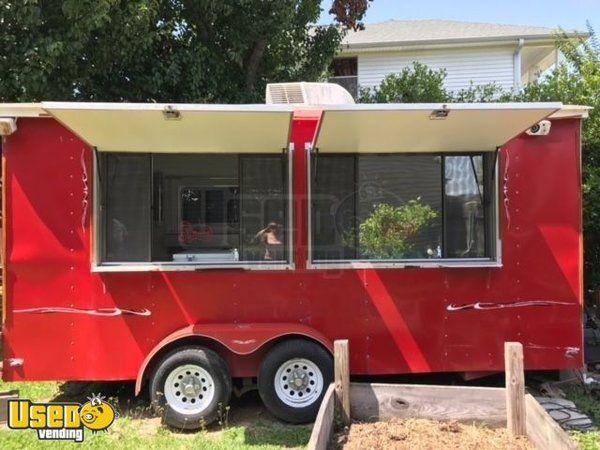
column 303, row 131
column 396, row 325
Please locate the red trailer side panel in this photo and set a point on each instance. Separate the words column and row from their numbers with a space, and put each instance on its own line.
column 68, row 323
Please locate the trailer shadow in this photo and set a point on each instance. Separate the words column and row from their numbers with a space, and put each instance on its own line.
column 246, row 417
column 121, row 395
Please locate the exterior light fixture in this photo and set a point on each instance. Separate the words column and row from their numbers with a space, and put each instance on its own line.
column 170, row 113
column 439, row 114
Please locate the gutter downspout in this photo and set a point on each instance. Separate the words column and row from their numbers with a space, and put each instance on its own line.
column 517, row 64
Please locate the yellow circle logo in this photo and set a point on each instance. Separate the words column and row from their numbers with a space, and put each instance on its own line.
column 96, row 414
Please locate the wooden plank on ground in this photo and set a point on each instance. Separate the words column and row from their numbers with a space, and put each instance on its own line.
column 543, row 431
column 461, row 403
column 515, row 388
column 341, row 358
column 323, row 428
column 4, row 398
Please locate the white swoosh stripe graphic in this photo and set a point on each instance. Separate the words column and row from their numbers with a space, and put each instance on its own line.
column 487, row 306
column 107, row 312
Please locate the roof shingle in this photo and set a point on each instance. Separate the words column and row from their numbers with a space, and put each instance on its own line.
column 401, row 31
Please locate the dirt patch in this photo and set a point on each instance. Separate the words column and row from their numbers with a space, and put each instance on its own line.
column 420, row 434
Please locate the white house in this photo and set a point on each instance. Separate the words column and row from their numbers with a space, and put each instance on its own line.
column 479, row 53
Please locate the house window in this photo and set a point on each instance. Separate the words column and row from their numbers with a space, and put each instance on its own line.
column 194, row 208
column 345, row 73
column 396, row 207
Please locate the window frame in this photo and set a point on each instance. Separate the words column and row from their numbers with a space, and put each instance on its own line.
column 99, row 229
column 343, row 80
column 495, row 242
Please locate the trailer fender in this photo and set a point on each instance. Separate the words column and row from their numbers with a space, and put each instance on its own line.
column 241, row 339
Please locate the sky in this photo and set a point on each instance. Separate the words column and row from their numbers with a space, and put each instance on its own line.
column 568, row 14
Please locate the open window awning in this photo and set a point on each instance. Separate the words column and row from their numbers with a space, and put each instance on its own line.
column 177, row 128
column 473, row 127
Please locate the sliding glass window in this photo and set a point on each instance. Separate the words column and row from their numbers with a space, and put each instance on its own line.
column 193, row 208
column 394, row 207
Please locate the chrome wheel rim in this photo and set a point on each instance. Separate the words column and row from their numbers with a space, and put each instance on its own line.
column 189, row 389
column 298, row 382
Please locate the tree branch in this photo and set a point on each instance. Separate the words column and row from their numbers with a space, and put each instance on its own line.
column 253, row 62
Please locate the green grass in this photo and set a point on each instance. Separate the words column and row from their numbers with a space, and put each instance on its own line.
column 33, row 391
column 249, row 427
column 126, row 435
column 588, row 441
column 589, row 404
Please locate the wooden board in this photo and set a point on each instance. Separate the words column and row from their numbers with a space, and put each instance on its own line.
column 323, row 427
column 342, row 378
column 543, row 432
column 370, row 402
column 515, row 388
column 4, row 398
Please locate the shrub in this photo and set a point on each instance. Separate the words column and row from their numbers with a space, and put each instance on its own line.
column 414, row 84
column 388, row 232
column 421, row 84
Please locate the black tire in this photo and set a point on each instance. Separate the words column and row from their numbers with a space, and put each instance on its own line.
column 211, row 363
column 276, row 358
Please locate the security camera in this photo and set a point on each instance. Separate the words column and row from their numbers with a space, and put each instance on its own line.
column 540, row 129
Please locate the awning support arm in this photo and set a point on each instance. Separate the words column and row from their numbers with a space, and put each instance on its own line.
column 476, row 178
column 315, row 151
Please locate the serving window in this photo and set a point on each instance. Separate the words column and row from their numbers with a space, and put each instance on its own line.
column 193, row 209
column 395, row 185
column 399, row 207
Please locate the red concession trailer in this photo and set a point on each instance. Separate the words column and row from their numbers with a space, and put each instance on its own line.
column 185, row 246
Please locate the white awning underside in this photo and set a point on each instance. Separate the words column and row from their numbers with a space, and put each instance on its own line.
column 375, row 128
column 130, row 127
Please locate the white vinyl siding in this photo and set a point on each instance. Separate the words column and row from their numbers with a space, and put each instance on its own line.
column 479, row 65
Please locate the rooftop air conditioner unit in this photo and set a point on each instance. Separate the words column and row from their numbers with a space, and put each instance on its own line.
column 303, row 93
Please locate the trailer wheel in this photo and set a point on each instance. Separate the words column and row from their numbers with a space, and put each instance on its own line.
column 293, row 378
column 189, row 387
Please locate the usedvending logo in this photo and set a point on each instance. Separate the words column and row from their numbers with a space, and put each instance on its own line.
column 61, row 421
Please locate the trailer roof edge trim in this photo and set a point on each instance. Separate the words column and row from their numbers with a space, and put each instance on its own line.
column 426, row 128
column 177, row 128
column 17, row 110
